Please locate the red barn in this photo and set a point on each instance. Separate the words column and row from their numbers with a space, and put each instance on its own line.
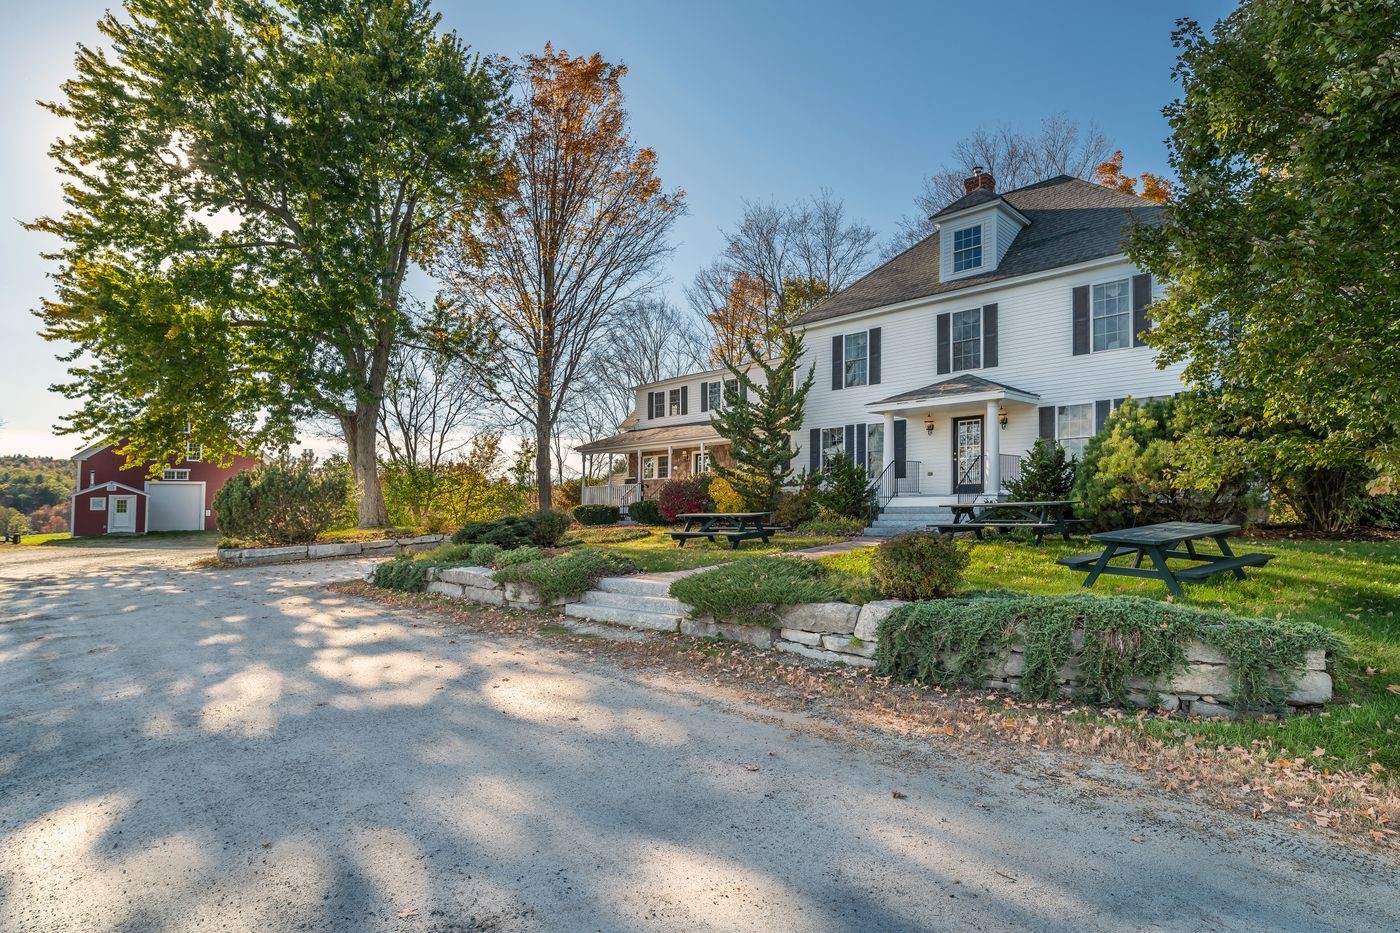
column 113, row 499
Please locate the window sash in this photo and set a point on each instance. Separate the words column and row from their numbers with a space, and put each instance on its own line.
column 675, row 405
column 656, row 466
column 874, row 449
column 857, row 355
column 714, row 392
column 1074, row 426
column 176, row 475
column 967, row 248
column 967, row 339
column 1111, row 315
column 833, row 444
column 97, row 504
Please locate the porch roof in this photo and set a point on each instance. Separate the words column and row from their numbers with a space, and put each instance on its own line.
column 647, row 438
column 954, row 390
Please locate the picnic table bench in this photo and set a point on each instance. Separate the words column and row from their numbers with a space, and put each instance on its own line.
column 1158, row 544
column 1039, row 517
column 734, row 527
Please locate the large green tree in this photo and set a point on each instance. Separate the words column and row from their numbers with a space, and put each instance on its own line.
column 247, row 184
column 1280, row 241
column 759, row 418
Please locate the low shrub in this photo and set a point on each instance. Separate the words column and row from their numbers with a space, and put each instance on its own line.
column 919, row 565
column 724, row 497
column 609, row 535
column 564, row 576
column 751, row 589
column 483, row 554
column 288, row 502
column 1124, row 639
column 519, row 555
column 549, row 528
column 645, row 511
column 834, row 527
column 597, row 514
column 794, row 508
column 505, row 533
column 447, row 554
column 846, row 490
column 680, row 496
column 402, row 573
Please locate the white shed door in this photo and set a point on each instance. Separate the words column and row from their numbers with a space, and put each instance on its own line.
column 175, row 507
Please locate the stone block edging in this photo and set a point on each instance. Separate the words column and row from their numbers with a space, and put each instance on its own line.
column 243, row 556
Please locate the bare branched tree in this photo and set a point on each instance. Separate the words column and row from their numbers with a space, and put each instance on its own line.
column 1014, row 158
column 429, row 406
column 579, row 231
column 778, row 262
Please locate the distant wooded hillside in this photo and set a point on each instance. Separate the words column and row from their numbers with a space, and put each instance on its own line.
column 36, row 488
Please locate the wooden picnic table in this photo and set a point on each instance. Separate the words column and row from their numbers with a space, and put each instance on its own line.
column 734, row 527
column 1039, row 516
column 1159, row 542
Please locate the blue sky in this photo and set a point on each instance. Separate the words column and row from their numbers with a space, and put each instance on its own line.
column 752, row 100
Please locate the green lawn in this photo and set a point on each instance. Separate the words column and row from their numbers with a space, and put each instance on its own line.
column 1351, row 587
column 658, row 552
column 64, row 539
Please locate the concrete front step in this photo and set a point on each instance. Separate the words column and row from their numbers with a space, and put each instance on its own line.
column 658, row 605
column 645, row 584
column 660, row 622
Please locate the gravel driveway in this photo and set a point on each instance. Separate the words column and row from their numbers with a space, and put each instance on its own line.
column 201, row 749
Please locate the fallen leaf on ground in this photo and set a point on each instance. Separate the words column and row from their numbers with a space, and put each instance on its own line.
column 898, row 794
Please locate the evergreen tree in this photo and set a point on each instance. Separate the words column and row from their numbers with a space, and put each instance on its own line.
column 1047, row 474
column 759, row 420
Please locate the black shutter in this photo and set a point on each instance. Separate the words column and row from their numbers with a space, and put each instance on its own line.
column 651, row 405
column 989, row 335
column 814, row 456
column 873, row 347
column 685, row 400
column 945, row 344
column 704, row 396
column 851, row 442
column 1047, row 422
column 1102, row 408
column 1081, row 320
column 899, row 448
column 1142, row 297
column 1118, row 402
column 838, row 352
column 860, row 445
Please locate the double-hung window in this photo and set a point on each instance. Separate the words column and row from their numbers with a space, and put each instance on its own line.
column 833, row 444
column 699, row 463
column 874, row 449
column 1112, row 316
column 967, row 339
column 1074, row 426
column 967, row 248
column 675, row 406
column 714, row 395
column 656, row 467
column 857, row 359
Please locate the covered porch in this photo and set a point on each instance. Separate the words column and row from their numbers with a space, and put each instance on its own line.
column 965, row 437
column 634, row 465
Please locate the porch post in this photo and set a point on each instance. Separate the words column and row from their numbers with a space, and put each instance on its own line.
column 991, row 437
column 887, row 454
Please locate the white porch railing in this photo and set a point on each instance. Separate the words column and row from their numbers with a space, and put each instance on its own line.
column 618, row 494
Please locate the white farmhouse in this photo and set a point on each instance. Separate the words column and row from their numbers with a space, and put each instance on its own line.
column 1019, row 318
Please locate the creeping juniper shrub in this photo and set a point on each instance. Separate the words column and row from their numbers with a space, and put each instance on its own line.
column 751, row 589
column 565, row 576
column 952, row 641
column 519, row 555
column 402, row 573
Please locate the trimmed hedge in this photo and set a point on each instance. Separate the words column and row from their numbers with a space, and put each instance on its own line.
column 597, row 514
column 565, row 576
column 951, row 641
column 751, row 589
column 645, row 511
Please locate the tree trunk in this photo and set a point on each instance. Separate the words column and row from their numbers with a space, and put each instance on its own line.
column 359, row 430
column 544, row 480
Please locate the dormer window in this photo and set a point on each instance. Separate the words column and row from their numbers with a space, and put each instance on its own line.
column 967, row 248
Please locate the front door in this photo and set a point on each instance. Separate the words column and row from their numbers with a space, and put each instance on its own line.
column 967, row 455
column 122, row 517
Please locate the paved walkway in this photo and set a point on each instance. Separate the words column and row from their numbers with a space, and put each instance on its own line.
column 189, row 749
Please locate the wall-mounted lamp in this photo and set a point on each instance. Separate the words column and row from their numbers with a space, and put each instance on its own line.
column 928, row 424
column 1001, row 415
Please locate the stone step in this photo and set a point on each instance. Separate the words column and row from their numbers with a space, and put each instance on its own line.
column 660, row 605
column 639, row 585
column 629, row 617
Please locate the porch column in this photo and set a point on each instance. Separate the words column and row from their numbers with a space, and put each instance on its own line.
column 992, row 444
column 702, row 453
column 888, row 443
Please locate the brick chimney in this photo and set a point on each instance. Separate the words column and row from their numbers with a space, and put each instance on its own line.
column 979, row 180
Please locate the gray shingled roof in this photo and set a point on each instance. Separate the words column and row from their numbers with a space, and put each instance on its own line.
column 1071, row 221
column 690, row 433
column 971, row 199
column 952, row 386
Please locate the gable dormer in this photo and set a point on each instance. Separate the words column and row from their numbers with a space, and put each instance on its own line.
column 976, row 230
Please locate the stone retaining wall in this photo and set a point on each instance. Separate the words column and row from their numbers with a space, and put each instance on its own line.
column 841, row 633
column 384, row 547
